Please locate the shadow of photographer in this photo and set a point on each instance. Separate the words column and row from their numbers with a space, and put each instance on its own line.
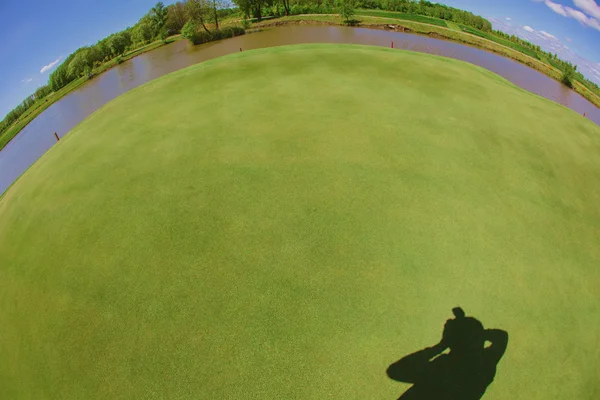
column 463, row 373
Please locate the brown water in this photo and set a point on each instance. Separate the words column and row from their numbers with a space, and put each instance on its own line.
column 38, row 136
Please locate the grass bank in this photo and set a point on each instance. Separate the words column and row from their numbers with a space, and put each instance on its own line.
column 292, row 247
column 423, row 25
column 46, row 102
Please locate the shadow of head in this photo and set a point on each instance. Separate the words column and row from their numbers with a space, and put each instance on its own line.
column 464, row 334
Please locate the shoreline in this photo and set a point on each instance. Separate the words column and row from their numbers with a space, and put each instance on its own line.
column 367, row 22
column 433, row 31
column 52, row 98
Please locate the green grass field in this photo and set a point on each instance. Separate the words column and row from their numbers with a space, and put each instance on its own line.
column 285, row 223
column 453, row 26
column 408, row 17
column 499, row 40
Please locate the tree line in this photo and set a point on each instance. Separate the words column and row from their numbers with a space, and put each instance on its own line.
column 568, row 69
column 198, row 20
column 84, row 59
column 160, row 22
column 261, row 8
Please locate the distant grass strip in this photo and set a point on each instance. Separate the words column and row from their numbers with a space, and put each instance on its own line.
column 502, row 41
column 445, row 33
column 453, row 25
column 407, row 17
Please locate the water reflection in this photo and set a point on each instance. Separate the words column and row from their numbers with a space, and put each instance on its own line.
column 37, row 137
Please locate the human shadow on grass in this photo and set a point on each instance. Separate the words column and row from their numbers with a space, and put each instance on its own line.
column 463, row 373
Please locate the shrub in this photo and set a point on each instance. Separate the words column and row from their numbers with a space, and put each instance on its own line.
column 88, row 72
column 272, row 11
column 246, row 23
column 232, row 31
column 568, row 75
column 162, row 35
column 298, row 9
column 189, row 31
column 224, row 33
column 346, row 9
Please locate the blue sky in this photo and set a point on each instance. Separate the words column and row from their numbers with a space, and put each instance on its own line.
column 570, row 28
column 37, row 33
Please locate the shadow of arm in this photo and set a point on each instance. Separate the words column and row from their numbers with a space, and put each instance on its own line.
column 499, row 339
column 411, row 367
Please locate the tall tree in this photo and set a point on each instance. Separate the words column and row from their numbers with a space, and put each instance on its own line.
column 215, row 14
column 42, row 92
column 77, row 65
column 286, row 6
column 197, row 11
column 142, row 33
column 176, row 17
column 251, row 7
column 346, row 8
column 119, row 42
column 158, row 16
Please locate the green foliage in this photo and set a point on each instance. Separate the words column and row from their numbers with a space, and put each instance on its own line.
column 189, row 31
column 218, row 34
column 87, row 72
column 77, row 65
column 429, row 9
column 162, row 35
column 162, row 21
column 568, row 75
column 142, row 33
column 246, row 23
column 119, row 42
column 176, row 18
column 314, row 8
column 199, row 11
column 252, row 8
column 42, row 92
column 158, row 16
column 346, row 9
column 232, row 31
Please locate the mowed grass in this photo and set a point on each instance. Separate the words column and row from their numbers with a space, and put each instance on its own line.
column 285, row 223
column 409, row 17
column 500, row 40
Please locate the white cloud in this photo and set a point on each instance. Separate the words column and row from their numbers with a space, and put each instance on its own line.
column 569, row 39
column 590, row 70
column 528, row 28
column 548, row 35
column 508, row 19
column 589, row 6
column 583, row 19
column 49, row 66
column 26, row 80
column 557, row 8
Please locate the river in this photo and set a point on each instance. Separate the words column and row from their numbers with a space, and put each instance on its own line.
column 38, row 136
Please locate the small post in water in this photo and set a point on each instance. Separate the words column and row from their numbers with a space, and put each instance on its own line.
column 240, row 49
column 56, row 136
column 392, row 44
column 584, row 114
